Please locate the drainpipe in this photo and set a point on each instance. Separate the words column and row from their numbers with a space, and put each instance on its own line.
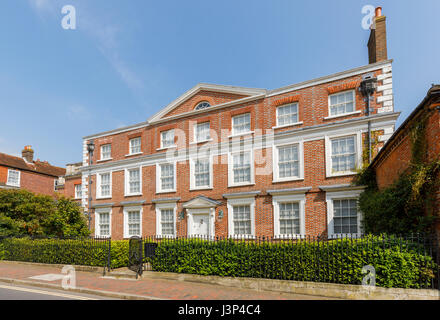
column 367, row 88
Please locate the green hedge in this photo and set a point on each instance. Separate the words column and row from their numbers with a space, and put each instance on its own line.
column 397, row 263
column 76, row 252
column 337, row 261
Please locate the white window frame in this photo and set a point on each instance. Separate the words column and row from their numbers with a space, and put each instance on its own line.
column 127, row 182
column 192, row 170
column 19, row 178
column 341, row 195
column 165, row 206
column 125, row 212
column 76, row 191
column 130, row 146
column 195, row 131
column 231, row 169
column 161, row 139
column 275, row 157
column 98, row 185
column 244, row 132
column 99, row 211
column 290, row 198
column 239, row 202
column 328, row 154
column 278, row 125
column 345, row 113
column 102, row 153
column 159, row 175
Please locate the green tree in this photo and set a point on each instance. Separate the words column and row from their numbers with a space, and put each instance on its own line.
column 25, row 213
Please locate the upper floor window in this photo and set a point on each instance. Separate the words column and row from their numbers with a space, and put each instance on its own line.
column 78, row 191
column 13, row 178
column 241, row 123
column 202, row 105
column 135, row 145
column 104, row 185
column 202, row 132
column 201, row 173
column 288, row 162
column 167, row 138
column 342, row 103
column 106, row 151
column 343, row 154
column 287, row 114
column 241, row 168
column 133, row 181
column 166, row 177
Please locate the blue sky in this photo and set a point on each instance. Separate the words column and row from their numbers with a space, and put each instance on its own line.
column 128, row 59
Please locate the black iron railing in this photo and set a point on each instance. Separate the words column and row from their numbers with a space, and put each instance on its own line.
column 393, row 261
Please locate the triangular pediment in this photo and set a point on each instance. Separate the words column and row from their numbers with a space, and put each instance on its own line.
column 201, row 202
column 211, row 93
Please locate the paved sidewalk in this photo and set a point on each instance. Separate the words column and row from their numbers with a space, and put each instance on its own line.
column 92, row 282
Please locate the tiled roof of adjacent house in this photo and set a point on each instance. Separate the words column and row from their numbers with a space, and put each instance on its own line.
column 42, row 167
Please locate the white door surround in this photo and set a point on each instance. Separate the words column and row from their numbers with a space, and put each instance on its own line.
column 201, row 216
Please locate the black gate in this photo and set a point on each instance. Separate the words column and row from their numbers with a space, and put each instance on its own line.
column 135, row 255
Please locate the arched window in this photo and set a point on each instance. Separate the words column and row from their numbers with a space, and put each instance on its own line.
column 202, row 105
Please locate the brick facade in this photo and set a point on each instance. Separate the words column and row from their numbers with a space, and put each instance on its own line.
column 313, row 190
column 395, row 157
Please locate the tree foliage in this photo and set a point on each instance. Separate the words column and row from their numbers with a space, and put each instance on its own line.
column 25, row 213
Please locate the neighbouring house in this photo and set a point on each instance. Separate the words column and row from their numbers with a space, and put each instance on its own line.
column 397, row 154
column 70, row 183
column 244, row 162
column 29, row 174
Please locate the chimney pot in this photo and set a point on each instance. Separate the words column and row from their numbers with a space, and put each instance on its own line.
column 378, row 11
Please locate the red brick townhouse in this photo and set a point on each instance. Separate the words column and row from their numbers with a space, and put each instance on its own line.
column 242, row 162
column 70, row 184
column 25, row 173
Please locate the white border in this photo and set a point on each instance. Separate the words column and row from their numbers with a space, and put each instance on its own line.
column 162, row 206
column 328, row 154
column 231, row 166
column 275, row 155
column 98, row 211
column 192, row 178
column 98, row 185
column 126, row 180
column 240, row 201
column 276, row 201
column 159, row 174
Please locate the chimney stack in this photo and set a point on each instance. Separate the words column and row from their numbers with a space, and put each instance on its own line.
column 28, row 154
column 377, row 44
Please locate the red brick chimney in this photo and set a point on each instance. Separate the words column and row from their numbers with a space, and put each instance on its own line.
column 28, row 154
column 377, row 44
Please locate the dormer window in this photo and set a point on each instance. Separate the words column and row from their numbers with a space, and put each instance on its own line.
column 202, row 105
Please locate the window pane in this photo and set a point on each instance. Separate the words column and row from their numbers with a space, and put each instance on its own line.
column 288, row 163
column 201, row 172
column 288, row 114
column 13, row 177
column 241, row 123
column 135, row 145
column 202, row 131
column 167, row 138
column 105, row 184
column 289, row 218
column 106, row 151
column 341, row 103
column 343, row 154
column 134, row 223
column 167, row 221
column 134, row 181
column 345, row 214
column 241, row 167
column 167, row 176
column 242, row 220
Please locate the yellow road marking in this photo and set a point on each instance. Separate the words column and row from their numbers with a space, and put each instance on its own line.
column 63, row 295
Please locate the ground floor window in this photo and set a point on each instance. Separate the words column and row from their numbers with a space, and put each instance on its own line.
column 132, row 222
column 103, row 222
column 166, row 219
column 241, row 217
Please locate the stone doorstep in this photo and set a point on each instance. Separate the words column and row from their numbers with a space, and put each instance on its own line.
column 332, row 290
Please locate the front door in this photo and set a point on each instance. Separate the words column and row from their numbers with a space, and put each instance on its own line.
column 200, row 225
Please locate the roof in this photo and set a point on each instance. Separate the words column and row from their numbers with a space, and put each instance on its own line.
column 42, row 167
column 433, row 92
column 250, row 93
